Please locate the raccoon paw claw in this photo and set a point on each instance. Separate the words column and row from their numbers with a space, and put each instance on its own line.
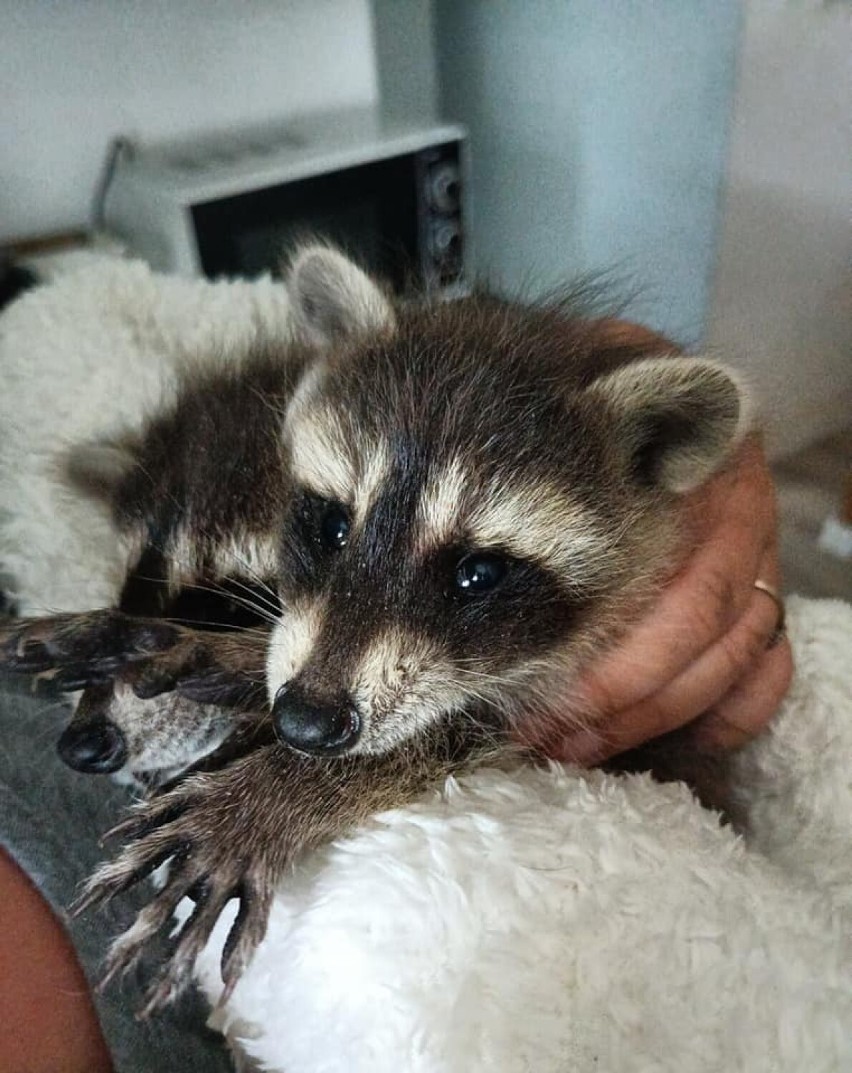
column 135, row 863
column 194, row 936
column 196, row 828
column 127, row 950
column 245, row 935
column 206, row 670
column 222, row 687
column 77, row 650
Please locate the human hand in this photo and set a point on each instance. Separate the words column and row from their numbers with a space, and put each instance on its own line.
column 703, row 657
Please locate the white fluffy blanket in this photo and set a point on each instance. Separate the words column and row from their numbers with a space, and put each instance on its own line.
column 554, row 920
column 539, row 920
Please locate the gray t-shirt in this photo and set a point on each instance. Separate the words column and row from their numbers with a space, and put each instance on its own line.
column 50, row 821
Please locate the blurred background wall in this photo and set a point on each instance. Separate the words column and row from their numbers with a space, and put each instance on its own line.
column 599, row 132
column 783, row 297
column 74, row 73
column 657, row 141
column 700, row 150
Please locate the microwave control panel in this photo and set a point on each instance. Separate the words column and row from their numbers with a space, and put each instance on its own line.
column 442, row 245
column 394, row 195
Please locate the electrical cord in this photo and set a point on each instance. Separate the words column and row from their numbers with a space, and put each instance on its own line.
column 119, row 147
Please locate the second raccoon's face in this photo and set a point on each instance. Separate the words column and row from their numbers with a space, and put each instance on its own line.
column 469, row 517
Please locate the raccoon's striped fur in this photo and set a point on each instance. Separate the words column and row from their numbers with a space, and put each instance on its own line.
column 437, row 512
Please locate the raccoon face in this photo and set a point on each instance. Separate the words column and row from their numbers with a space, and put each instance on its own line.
column 483, row 495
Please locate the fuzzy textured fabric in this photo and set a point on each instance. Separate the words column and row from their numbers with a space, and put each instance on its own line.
column 539, row 919
column 557, row 920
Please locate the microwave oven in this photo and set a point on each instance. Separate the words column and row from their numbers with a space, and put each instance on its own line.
column 394, row 195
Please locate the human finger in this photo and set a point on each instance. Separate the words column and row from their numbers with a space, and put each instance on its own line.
column 749, row 705
column 701, row 604
column 699, row 688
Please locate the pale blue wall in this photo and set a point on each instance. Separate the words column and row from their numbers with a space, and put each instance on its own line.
column 599, row 131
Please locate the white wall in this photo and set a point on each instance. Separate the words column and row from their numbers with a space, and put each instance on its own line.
column 783, row 301
column 73, row 73
column 599, row 132
column 405, row 57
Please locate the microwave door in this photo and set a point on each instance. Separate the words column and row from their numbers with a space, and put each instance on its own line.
column 371, row 211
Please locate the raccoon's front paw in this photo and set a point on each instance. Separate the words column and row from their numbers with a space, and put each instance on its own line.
column 78, row 650
column 213, row 831
column 226, row 669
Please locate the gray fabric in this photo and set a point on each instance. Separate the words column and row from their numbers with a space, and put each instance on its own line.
column 50, row 822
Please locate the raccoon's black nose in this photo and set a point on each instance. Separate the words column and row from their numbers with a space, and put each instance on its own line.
column 94, row 748
column 326, row 729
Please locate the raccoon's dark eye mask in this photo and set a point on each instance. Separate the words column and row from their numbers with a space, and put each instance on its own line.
column 323, row 522
column 210, row 603
column 224, row 604
column 334, row 527
column 328, row 524
column 479, row 572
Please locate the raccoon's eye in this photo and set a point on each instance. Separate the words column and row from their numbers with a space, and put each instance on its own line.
column 334, row 527
column 479, row 572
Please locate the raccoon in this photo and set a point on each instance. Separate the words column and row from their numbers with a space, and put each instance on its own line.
column 430, row 516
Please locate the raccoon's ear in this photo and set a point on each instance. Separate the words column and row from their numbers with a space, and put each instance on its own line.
column 678, row 418
column 333, row 299
column 98, row 468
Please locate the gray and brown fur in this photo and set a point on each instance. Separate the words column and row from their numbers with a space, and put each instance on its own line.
column 552, row 443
